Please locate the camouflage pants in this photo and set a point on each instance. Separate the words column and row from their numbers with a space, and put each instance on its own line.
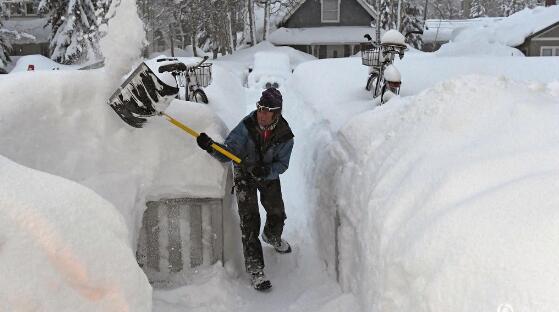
column 271, row 199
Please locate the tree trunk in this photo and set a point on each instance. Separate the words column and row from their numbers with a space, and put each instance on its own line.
column 251, row 22
column 193, row 42
column 266, row 20
column 230, row 31
column 172, row 42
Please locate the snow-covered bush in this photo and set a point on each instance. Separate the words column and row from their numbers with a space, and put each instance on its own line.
column 63, row 247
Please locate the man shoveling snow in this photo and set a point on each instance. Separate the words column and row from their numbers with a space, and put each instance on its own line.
column 264, row 141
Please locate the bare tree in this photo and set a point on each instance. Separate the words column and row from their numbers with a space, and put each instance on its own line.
column 5, row 47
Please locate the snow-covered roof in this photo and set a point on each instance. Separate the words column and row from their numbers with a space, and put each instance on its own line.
column 437, row 30
column 513, row 30
column 363, row 3
column 320, row 35
column 34, row 27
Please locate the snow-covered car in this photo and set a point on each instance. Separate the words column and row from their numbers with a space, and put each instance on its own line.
column 39, row 62
column 270, row 69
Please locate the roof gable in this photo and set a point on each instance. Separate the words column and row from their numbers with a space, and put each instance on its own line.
column 538, row 33
column 368, row 8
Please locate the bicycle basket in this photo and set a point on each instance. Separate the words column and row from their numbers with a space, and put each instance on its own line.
column 203, row 75
column 370, row 55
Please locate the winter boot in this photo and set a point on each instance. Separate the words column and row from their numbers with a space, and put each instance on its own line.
column 259, row 281
column 281, row 245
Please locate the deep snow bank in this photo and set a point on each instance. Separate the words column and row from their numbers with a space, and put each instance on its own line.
column 61, row 124
column 63, row 247
column 447, row 200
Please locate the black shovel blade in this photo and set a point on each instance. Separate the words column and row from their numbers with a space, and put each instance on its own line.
column 137, row 98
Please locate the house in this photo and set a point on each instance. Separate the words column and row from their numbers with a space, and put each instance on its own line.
column 535, row 32
column 326, row 28
column 30, row 36
column 542, row 43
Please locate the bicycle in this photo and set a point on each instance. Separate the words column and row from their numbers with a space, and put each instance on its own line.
column 378, row 55
column 190, row 79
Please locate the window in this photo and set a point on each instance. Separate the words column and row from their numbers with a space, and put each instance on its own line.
column 18, row 8
column 31, row 8
column 549, row 51
column 330, row 11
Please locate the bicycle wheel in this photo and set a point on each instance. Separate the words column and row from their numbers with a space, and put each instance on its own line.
column 370, row 82
column 199, row 96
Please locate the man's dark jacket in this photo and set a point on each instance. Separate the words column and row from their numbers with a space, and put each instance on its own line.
column 246, row 142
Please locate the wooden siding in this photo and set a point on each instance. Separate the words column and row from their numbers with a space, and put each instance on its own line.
column 551, row 33
column 534, row 48
column 309, row 15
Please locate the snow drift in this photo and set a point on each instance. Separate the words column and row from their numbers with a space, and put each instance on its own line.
column 500, row 36
column 63, row 126
column 62, row 246
column 447, row 200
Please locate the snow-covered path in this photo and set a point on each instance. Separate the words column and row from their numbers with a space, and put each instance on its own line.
column 300, row 280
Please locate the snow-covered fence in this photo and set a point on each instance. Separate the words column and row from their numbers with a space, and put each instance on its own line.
column 179, row 234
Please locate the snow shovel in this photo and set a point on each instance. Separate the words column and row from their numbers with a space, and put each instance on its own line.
column 137, row 97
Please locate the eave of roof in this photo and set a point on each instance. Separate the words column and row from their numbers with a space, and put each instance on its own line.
column 541, row 31
column 325, row 35
column 372, row 12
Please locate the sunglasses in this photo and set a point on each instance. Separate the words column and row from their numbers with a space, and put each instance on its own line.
column 262, row 108
column 272, row 85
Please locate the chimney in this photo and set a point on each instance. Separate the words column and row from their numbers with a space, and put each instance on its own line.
column 550, row 2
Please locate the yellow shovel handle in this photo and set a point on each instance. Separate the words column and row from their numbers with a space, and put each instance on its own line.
column 195, row 134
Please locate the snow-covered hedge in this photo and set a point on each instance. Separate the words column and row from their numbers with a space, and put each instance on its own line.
column 447, row 200
column 63, row 247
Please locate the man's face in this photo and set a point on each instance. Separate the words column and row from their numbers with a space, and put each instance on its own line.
column 264, row 117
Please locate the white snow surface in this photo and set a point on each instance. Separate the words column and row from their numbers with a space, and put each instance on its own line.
column 39, row 62
column 511, row 31
column 320, row 35
column 63, row 247
column 445, row 198
column 269, row 67
column 36, row 27
column 393, row 37
column 440, row 200
column 437, row 30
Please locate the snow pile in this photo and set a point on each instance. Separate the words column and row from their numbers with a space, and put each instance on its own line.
column 186, row 52
column 393, row 37
column 246, row 56
column 269, row 67
column 63, row 247
column 62, row 125
column 494, row 36
column 437, row 30
column 447, row 200
column 39, row 62
column 481, row 48
column 125, row 39
column 420, row 72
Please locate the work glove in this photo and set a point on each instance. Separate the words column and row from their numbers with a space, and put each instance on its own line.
column 260, row 171
column 205, row 142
